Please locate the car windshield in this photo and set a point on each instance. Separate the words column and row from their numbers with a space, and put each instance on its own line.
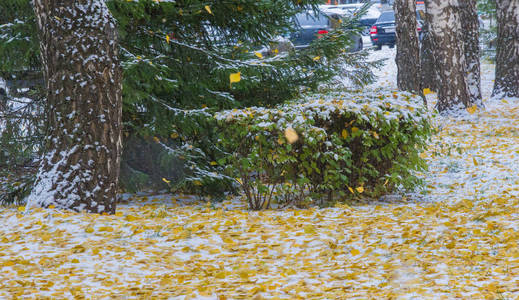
column 306, row 19
column 386, row 17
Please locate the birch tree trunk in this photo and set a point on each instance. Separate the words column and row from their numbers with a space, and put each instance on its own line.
column 429, row 76
column 507, row 56
column 470, row 25
column 78, row 43
column 408, row 49
column 446, row 28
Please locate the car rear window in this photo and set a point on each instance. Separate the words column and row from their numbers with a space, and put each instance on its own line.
column 305, row 19
column 386, row 17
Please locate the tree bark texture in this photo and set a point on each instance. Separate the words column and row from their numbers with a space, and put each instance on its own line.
column 447, row 31
column 429, row 76
column 408, row 49
column 470, row 25
column 78, row 43
column 507, row 53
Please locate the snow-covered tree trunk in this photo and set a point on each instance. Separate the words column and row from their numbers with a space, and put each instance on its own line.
column 507, row 55
column 447, row 31
column 78, row 43
column 429, row 76
column 408, row 49
column 470, row 25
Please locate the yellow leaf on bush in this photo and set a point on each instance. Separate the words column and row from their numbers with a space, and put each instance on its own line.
column 165, row 180
column 258, row 54
column 354, row 130
column 213, row 163
column 351, row 190
column 316, row 58
column 208, row 9
column 360, row 189
column 344, row 133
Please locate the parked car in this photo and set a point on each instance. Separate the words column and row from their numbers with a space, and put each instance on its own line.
column 366, row 20
column 312, row 25
column 383, row 31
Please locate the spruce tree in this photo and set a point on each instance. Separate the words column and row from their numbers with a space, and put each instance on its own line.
column 178, row 58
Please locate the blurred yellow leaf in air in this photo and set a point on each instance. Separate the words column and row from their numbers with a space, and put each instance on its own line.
column 234, row 77
column 291, row 135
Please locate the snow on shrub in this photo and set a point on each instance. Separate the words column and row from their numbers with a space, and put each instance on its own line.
column 324, row 148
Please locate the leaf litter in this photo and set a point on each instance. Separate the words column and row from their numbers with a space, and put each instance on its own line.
column 459, row 240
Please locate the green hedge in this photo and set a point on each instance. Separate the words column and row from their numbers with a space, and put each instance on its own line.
column 325, row 148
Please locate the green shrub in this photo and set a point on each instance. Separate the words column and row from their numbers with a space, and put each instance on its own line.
column 325, row 147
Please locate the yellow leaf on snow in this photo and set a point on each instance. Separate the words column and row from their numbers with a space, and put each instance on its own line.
column 475, row 161
column 472, row 109
column 354, row 252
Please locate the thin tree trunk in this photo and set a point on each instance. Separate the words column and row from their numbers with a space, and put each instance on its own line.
column 507, row 53
column 78, row 43
column 408, row 49
column 470, row 25
column 446, row 27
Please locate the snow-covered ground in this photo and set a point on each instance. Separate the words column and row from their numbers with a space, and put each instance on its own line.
column 459, row 241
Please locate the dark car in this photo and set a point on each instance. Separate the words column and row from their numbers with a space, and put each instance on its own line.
column 367, row 20
column 383, row 31
column 312, row 25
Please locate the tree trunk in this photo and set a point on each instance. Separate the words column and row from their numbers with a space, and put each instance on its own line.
column 78, row 43
column 507, row 53
column 408, row 50
column 447, row 31
column 470, row 25
column 429, row 77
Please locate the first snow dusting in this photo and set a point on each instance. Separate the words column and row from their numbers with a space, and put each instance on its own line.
column 458, row 239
